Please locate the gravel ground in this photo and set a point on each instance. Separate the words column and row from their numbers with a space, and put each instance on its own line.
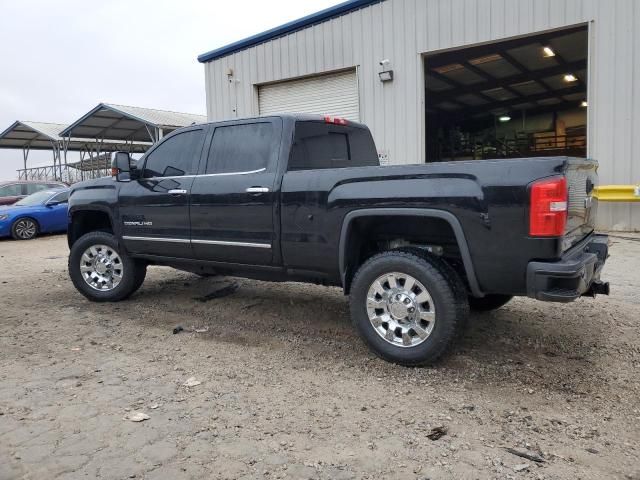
column 289, row 391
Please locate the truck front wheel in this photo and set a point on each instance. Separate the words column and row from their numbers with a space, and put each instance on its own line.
column 408, row 307
column 101, row 271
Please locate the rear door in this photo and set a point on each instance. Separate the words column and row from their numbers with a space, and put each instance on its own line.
column 154, row 209
column 233, row 200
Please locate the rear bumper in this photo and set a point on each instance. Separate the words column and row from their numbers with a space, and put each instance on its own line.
column 576, row 274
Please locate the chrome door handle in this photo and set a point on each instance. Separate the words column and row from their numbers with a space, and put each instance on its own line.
column 177, row 192
column 257, row 190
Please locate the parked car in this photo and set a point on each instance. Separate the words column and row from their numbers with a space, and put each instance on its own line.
column 14, row 190
column 302, row 198
column 42, row 212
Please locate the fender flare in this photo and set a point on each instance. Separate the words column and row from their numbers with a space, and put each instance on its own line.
column 90, row 208
column 415, row 212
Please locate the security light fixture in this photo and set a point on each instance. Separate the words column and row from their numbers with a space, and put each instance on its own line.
column 584, row 103
column 548, row 52
column 504, row 118
column 386, row 76
column 570, row 77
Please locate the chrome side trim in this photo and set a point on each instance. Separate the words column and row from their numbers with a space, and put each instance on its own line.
column 201, row 242
column 157, row 239
column 206, row 175
column 232, row 244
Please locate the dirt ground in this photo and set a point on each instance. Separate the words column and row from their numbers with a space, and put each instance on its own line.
column 289, row 391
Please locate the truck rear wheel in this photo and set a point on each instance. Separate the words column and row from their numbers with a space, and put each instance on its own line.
column 488, row 302
column 408, row 307
column 101, row 271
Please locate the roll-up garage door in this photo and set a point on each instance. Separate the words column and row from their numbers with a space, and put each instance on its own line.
column 332, row 94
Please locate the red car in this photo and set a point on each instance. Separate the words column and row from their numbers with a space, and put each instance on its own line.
column 13, row 190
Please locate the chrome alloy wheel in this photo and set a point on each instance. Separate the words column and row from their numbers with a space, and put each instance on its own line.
column 400, row 309
column 25, row 229
column 101, row 267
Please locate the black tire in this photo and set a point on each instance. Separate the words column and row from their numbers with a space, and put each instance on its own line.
column 133, row 272
column 25, row 228
column 447, row 292
column 488, row 302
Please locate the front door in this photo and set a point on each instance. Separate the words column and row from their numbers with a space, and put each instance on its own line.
column 233, row 201
column 154, row 209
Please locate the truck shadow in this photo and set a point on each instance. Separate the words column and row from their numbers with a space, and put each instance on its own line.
column 523, row 343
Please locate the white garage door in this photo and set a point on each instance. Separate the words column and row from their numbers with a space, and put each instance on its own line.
column 334, row 94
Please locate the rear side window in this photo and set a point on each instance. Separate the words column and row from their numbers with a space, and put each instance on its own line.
column 318, row 145
column 176, row 156
column 242, row 148
column 36, row 187
column 11, row 190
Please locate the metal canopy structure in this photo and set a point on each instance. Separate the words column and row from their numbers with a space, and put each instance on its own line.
column 132, row 124
column 28, row 135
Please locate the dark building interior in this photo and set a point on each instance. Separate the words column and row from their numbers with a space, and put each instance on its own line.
column 517, row 98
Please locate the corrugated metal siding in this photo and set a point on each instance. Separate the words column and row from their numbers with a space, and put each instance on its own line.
column 403, row 30
column 335, row 94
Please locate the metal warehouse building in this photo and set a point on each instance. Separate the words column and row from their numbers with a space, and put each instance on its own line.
column 440, row 80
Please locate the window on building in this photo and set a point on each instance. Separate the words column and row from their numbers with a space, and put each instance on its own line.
column 176, row 156
column 242, row 148
column 318, row 145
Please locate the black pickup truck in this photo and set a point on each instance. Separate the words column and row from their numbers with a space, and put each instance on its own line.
column 303, row 198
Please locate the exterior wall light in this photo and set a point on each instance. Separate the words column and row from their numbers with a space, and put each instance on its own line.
column 504, row 118
column 386, row 76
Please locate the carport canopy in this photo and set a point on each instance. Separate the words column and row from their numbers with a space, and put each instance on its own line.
column 125, row 123
column 28, row 135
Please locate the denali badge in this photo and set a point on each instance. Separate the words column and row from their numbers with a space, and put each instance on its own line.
column 138, row 223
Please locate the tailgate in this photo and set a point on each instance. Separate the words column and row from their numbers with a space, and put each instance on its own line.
column 582, row 177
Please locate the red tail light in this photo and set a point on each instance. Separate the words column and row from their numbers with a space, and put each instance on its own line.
column 335, row 120
column 548, row 214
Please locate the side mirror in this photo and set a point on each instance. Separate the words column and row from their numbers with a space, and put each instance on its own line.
column 121, row 166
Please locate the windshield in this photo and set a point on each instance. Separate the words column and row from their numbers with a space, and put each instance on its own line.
column 37, row 198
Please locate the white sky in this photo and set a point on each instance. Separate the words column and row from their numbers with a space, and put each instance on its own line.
column 59, row 59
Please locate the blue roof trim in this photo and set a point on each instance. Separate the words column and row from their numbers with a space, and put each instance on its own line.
column 287, row 28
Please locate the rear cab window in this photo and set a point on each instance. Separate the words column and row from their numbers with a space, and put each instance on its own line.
column 320, row 145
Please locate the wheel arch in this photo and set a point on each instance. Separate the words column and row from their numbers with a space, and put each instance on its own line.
column 448, row 217
column 85, row 220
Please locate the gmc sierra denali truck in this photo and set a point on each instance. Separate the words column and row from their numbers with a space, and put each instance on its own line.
column 303, row 198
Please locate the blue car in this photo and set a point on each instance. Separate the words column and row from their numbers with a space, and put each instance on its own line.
column 42, row 212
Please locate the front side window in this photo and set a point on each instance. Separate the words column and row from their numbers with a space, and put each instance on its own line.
column 176, row 156
column 318, row 145
column 242, row 148
column 11, row 190
column 62, row 197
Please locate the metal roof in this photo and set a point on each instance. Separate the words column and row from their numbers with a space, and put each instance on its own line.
column 35, row 135
column 314, row 18
column 125, row 123
column 44, row 136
